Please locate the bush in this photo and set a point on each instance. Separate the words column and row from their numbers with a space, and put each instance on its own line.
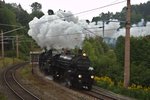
column 134, row 91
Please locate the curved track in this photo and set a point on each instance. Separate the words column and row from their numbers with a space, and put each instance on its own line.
column 102, row 94
column 98, row 95
column 15, row 86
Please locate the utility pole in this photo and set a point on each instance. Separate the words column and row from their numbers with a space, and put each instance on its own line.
column 32, row 57
column 17, row 47
column 2, row 42
column 103, row 28
column 127, row 47
column 13, row 47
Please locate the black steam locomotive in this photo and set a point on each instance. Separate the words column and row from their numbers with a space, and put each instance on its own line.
column 74, row 70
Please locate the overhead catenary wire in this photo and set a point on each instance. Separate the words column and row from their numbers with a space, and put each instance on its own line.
column 64, row 16
column 9, row 25
column 112, row 4
column 75, row 13
column 87, row 29
column 13, row 30
column 100, row 7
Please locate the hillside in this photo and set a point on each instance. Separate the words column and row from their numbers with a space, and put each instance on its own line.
column 138, row 12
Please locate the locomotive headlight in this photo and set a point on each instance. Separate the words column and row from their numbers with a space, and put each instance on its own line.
column 84, row 54
column 79, row 76
column 92, row 76
column 91, row 68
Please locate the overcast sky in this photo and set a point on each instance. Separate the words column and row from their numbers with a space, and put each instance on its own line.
column 76, row 6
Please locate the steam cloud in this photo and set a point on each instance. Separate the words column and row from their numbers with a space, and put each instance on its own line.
column 64, row 30
column 56, row 31
column 141, row 29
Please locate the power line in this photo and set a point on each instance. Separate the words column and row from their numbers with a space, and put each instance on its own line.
column 9, row 25
column 101, row 7
column 13, row 30
column 87, row 11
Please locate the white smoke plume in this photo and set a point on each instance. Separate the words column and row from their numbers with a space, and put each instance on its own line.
column 64, row 30
column 56, row 31
column 136, row 30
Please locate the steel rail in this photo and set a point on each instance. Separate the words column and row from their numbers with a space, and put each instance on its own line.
column 10, row 80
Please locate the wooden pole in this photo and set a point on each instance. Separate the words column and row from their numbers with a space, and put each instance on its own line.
column 2, row 39
column 32, row 57
column 17, row 47
column 103, row 28
column 127, row 48
column 13, row 51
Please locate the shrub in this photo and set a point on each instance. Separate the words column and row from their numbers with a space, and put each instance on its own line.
column 135, row 91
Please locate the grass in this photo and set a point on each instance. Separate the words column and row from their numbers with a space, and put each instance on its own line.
column 8, row 61
column 26, row 74
column 26, row 71
column 2, row 97
column 3, row 63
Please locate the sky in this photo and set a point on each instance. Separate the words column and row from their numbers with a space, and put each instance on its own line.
column 77, row 6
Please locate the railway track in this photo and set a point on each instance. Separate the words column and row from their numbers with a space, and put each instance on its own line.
column 12, row 83
column 102, row 94
column 98, row 93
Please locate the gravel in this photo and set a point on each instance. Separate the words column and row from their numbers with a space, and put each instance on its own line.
column 46, row 89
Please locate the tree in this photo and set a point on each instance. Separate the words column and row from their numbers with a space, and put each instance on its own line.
column 22, row 17
column 37, row 14
column 7, row 17
column 36, row 6
column 137, row 13
column 140, row 65
column 119, row 49
column 36, row 10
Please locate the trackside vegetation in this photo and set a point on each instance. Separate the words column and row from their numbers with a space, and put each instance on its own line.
column 109, row 64
column 108, row 61
column 3, row 63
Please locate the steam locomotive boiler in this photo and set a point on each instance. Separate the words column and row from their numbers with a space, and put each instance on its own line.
column 74, row 70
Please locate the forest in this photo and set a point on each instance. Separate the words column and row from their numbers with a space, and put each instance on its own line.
column 107, row 61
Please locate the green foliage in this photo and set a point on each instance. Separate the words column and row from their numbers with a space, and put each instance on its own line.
column 93, row 47
column 36, row 6
column 140, row 60
column 134, row 91
column 103, row 16
column 140, row 65
column 137, row 13
column 7, row 17
column 13, row 14
column 103, row 59
column 36, row 10
column 22, row 17
column 119, row 50
column 8, row 61
column 140, row 50
column 26, row 71
column 37, row 14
